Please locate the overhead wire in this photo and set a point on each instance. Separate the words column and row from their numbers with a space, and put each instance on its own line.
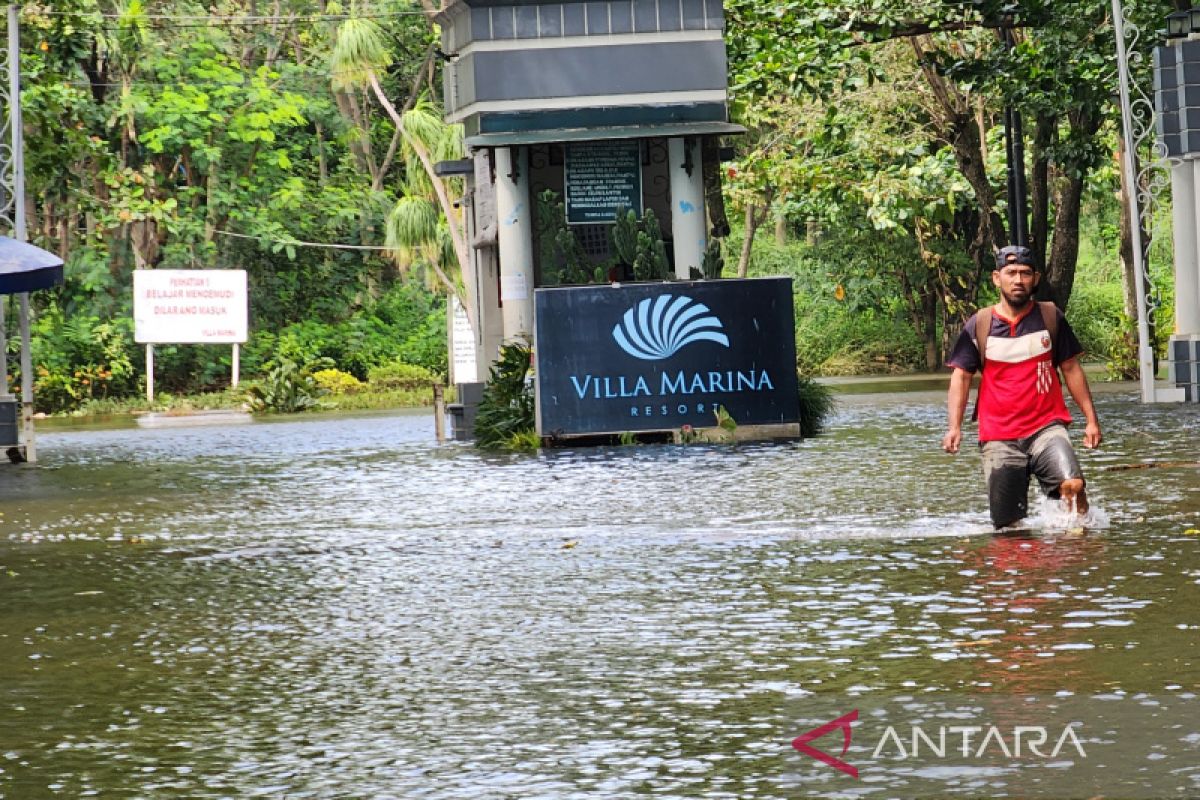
column 272, row 240
column 295, row 242
column 239, row 18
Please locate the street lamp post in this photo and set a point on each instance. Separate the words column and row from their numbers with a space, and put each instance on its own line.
column 1014, row 142
column 1145, row 351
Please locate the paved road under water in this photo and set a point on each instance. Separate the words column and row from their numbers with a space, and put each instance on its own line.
column 334, row 607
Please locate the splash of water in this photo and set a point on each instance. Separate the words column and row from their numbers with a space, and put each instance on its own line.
column 1057, row 515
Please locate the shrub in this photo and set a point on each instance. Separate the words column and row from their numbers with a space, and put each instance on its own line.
column 405, row 324
column 337, row 382
column 816, row 404
column 398, row 375
column 1097, row 315
column 286, row 389
column 506, row 416
column 80, row 358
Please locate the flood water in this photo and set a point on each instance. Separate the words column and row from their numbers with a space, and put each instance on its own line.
column 335, row 606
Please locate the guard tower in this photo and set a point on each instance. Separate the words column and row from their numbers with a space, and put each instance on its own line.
column 607, row 104
column 576, row 113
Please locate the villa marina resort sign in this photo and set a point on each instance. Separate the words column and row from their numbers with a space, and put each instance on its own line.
column 658, row 356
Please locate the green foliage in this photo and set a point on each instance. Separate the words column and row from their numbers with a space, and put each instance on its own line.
column 406, row 324
column 218, row 144
column 816, row 405
column 524, row 440
column 1097, row 315
column 652, row 253
column 229, row 399
column 399, row 375
column 336, row 382
column 724, row 421
column 850, row 315
column 624, row 236
column 80, row 358
column 287, row 388
column 507, row 409
column 561, row 258
column 640, row 245
column 713, row 262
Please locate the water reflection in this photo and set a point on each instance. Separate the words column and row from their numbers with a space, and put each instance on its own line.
column 334, row 607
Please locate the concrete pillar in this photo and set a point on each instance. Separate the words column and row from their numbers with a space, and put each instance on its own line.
column 687, row 204
column 491, row 334
column 515, row 215
column 1185, row 179
column 482, row 278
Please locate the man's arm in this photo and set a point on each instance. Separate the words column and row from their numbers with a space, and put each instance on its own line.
column 1077, row 385
column 956, row 408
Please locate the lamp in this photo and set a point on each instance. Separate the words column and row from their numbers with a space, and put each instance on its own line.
column 1177, row 24
column 1193, row 20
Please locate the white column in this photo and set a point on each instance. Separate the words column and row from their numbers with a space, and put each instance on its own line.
column 515, row 215
column 1185, row 179
column 237, row 364
column 687, row 205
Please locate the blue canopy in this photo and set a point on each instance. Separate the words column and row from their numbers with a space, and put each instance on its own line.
column 26, row 268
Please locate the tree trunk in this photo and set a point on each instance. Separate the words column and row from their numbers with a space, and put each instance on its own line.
column 955, row 122
column 755, row 216
column 1059, row 275
column 990, row 233
column 929, row 331
column 921, row 302
column 357, row 149
column 780, row 229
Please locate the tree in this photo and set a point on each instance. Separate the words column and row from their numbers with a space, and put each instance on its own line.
column 1060, row 70
column 358, row 55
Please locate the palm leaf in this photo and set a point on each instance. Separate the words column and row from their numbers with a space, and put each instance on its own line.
column 411, row 226
column 360, row 50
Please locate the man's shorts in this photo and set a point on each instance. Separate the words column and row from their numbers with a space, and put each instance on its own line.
column 1007, row 465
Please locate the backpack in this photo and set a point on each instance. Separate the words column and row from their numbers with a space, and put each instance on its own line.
column 983, row 329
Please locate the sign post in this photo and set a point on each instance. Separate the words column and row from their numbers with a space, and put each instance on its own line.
column 189, row 306
column 149, row 373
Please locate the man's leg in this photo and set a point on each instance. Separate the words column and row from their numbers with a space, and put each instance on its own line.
column 1006, row 471
column 1074, row 495
column 1057, row 468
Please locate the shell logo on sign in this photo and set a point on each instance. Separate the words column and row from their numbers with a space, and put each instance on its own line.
column 657, row 328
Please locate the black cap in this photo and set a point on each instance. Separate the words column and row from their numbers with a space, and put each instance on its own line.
column 1014, row 254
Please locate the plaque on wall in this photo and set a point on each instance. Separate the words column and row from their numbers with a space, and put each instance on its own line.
column 602, row 177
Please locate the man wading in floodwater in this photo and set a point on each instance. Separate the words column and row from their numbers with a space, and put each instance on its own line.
column 1022, row 415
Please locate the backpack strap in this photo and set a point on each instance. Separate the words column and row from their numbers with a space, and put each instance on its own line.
column 983, row 327
column 1050, row 318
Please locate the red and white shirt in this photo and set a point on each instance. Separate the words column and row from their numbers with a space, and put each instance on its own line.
column 1020, row 392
